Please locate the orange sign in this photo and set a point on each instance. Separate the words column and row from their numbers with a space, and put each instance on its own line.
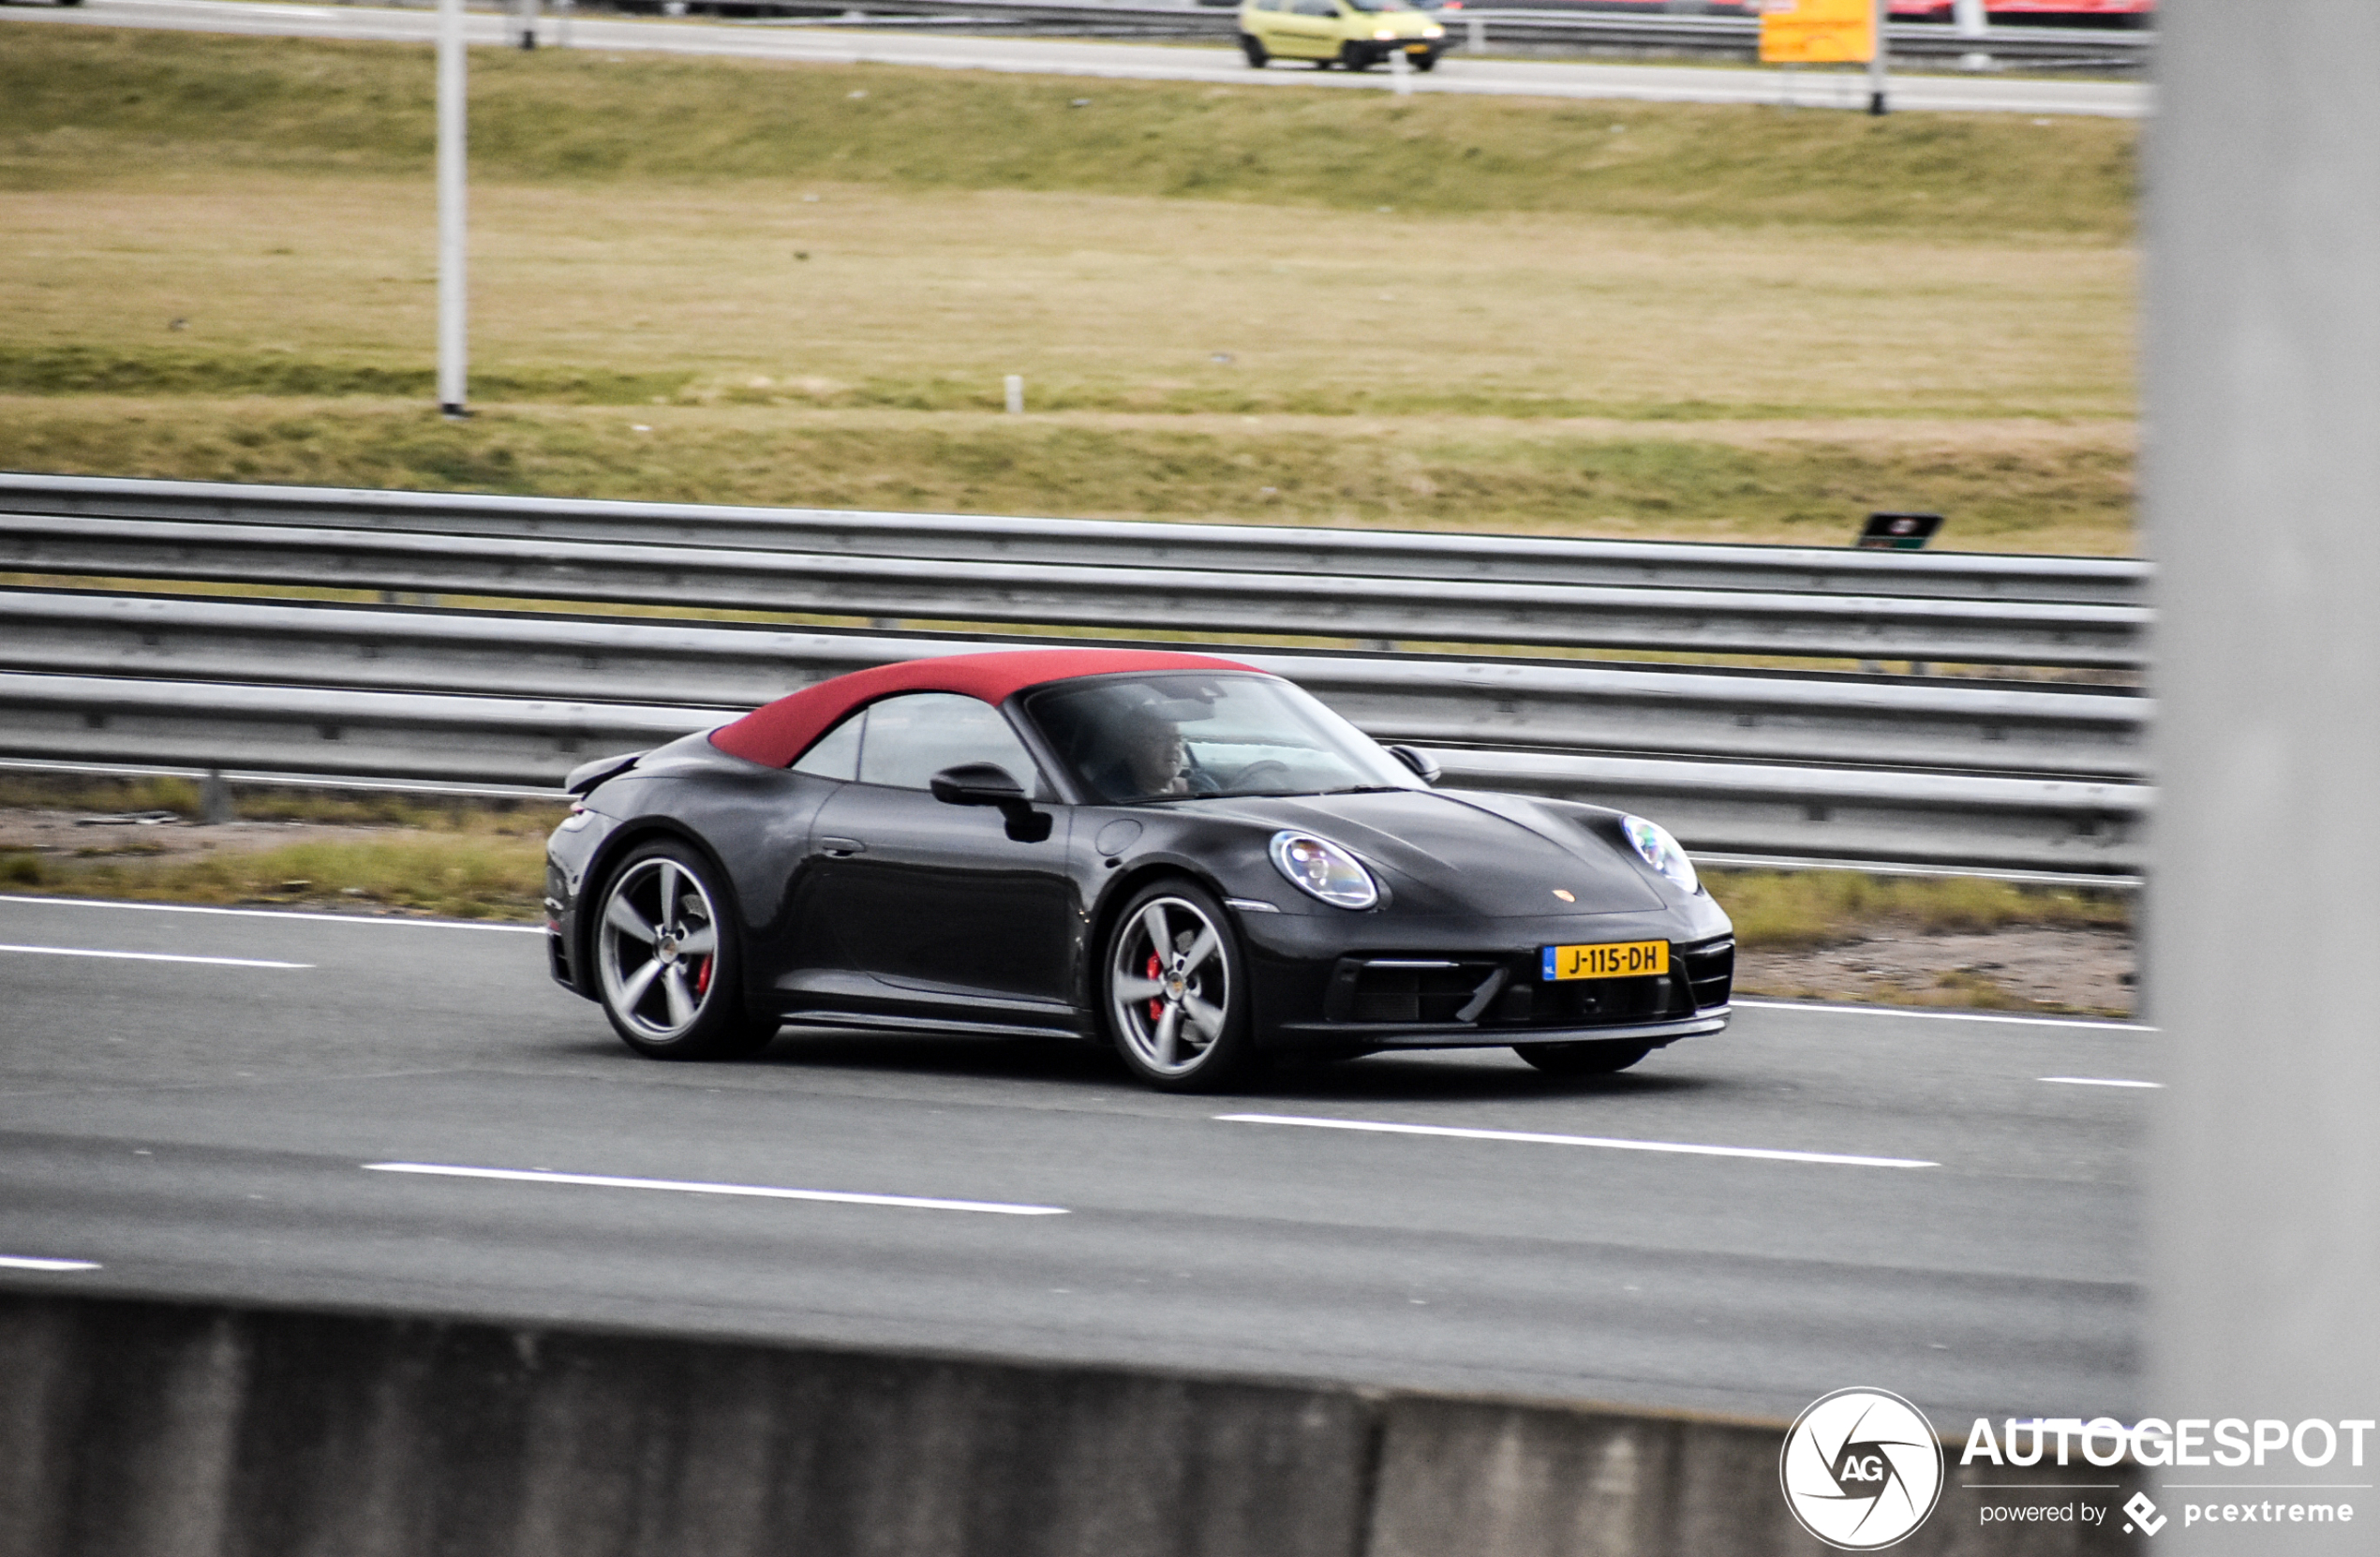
column 1817, row 32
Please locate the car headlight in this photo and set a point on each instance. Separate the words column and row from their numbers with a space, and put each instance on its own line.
column 1433, row 30
column 1320, row 868
column 1659, row 849
column 1384, row 35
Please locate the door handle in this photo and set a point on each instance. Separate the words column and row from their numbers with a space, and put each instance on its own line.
column 841, row 847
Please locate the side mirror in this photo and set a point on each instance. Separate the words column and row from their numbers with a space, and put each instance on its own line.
column 976, row 784
column 1420, row 762
column 988, row 784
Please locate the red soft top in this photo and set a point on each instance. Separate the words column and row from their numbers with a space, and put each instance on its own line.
column 779, row 733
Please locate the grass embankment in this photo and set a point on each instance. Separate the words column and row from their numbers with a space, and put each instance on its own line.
column 807, row 282
column 1798, row 911
column 456, row 859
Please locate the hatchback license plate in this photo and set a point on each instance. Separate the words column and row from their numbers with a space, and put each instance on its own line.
column 1614, row 960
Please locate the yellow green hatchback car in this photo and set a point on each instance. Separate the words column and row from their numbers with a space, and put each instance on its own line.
column 1355, row 34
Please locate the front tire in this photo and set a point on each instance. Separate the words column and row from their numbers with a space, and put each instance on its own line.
column 1606, row 1058
column 1425, row 63
column 668, row 966
column 1353, row 58
column 1254, row 48
column 1176, row 992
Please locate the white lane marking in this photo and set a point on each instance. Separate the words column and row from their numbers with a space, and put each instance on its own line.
column 1763, row 1153
column 762, row 1191
column 2098, row 1081
column 277, row 913
column 1942, row 1016
column 155, row 956
column 31, row 1262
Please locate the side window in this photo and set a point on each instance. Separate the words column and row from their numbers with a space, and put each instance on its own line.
column 836, row 753
column 912, row 738
column 1316, row 8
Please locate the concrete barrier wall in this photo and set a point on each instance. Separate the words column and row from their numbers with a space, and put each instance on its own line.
column 138, row 1428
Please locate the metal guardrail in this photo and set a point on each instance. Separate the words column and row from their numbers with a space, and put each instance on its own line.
column 1453, row 611
column 1939, row 818
column 1923, row 725
column 1221, row 548
column 437, row 696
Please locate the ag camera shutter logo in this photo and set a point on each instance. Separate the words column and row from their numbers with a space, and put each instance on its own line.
column 1861, row 1469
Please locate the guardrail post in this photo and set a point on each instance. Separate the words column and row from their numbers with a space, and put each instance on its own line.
column 1012, row 391
column 452, row 294
column 1878, row 62
column 215, row 800
column 1476, row 26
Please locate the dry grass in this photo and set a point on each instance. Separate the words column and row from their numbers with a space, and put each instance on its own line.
column 455, row 875
column 923, row 301
column 1795, row 910
column 1613, row 318
column 83, row 105
column 2007, row 487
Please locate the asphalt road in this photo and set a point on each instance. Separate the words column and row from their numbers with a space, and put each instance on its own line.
column 191, row 1104
column 1131, row 61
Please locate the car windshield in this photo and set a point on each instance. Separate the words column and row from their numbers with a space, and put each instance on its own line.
column 1185, row 736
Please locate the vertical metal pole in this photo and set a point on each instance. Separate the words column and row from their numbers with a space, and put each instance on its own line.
column 1879, row 61
column 453, row 292
column 1475, row 25
column 2263, row 378
column 1973, row 22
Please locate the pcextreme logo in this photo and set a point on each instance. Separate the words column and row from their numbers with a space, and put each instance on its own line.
column 1861, row 1469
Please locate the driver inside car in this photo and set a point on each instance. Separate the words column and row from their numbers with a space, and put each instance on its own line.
column 1155, row 760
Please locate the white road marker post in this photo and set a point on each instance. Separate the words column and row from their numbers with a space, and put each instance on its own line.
column 1401, row 73
column 1475, row 25
column 1973, row 22
column 1878, row 60
column 1013, row 387
column 453, row 296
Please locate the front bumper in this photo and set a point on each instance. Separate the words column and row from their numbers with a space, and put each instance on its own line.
column 1373, row 51
column 1479, row 985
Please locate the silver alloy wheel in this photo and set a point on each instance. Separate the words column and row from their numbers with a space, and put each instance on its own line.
column 1171, row 986
column 657, row 949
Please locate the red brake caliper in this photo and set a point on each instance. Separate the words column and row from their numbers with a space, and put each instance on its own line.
column 702, row 978
column 1156, row 1007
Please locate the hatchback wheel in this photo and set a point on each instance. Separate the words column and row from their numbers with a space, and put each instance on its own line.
column 668, row 965
column 1177, row 999
column 1253, row 46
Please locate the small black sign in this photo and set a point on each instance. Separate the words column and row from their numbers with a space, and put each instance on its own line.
column 1898, row 532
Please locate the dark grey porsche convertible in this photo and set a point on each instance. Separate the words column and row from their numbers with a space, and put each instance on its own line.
column 1184, row 856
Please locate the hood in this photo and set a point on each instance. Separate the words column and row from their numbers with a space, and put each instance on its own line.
column 1444, row 852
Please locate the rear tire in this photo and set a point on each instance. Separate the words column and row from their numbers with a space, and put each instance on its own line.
column 668, row 963
column 1353, row 58
column 1605, row 1058
column 1254, row 48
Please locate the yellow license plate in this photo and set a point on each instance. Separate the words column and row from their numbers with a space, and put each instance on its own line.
column 1614, row 960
